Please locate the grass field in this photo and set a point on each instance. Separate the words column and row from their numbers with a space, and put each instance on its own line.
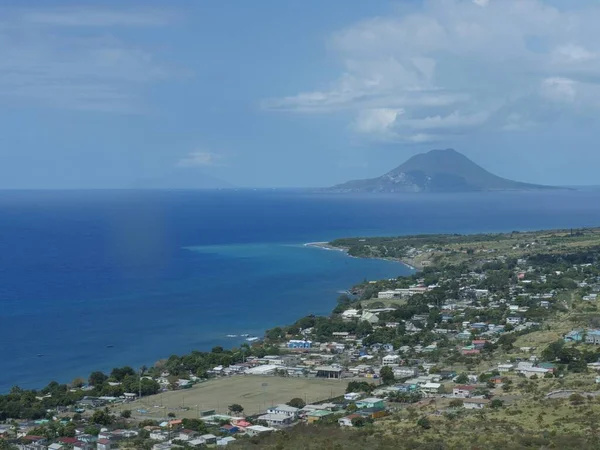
column 252, row 392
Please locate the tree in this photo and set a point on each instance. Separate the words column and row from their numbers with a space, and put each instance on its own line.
column 171, row 415
column 102, row 417
column 462, row 378
column 496, row 403
column 297, row 402
column 424, row 423
column 358, row 422
column 236, row 408
column 387, row 375
column 97, row 378
column 351, row 408
column 126, row 414
column 92, row 429
column 78, row 382
column 456, row 403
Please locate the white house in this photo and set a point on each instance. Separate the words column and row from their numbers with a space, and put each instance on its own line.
column 283, row 409
column 350, row 314
column 391, row 360
column 352, row 396
column 462, row 391
column 431, row 388
column 277, row 420
column 503, row 368
column 254, row 430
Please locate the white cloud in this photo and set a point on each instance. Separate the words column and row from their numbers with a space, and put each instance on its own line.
column 559, row 89
column 378, row 120
column 460, row 65
column 199, row 159
column 48, row 61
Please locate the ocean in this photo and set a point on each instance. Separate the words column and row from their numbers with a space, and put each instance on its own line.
column 97, row 279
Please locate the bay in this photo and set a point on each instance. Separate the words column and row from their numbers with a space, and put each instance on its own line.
column 152, row 273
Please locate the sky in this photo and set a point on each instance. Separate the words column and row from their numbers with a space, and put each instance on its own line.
column 110, row 94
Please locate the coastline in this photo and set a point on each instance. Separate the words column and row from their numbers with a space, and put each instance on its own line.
column 411, row 264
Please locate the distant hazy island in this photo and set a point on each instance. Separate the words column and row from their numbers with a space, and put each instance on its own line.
column 436, row 171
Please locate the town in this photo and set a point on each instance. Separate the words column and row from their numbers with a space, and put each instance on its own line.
column 503, row 327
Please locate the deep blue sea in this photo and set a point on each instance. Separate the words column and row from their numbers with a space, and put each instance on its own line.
column 153, row 273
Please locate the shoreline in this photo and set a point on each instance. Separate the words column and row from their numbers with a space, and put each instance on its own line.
column 412, row 265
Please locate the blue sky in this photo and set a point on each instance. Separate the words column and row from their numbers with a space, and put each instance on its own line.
column 286, row 94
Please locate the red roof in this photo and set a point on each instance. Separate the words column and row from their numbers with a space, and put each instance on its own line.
column 68, row 440
column 33, row 438
column 243, row 423
column 103, row 441
column 464, row 387
column 352, row 416
column 479, row 341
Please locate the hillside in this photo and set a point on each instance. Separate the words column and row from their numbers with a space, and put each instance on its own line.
column 436, row 171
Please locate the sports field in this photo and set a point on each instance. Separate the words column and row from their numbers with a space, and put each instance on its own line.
column 254, row 393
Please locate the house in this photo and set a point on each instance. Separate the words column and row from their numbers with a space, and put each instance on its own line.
column 277, row 420
column 188, row 435
column 371, row 402
column 478, row 343
column 104, row 444
column 315, row 416
column 296, row 343
column 573, row 336
column 529, row 370
column 475, row 403
column 369, row 317
column 503, row 368
column 209, row 438
column 229, row 429
column 405, row 372
column 391, row 360
column 255, row 430
column 462, row 391
column 514, row 320
column 83, row 446
column 350, row 314
column 592, row 337
column 431, row 388
column 328, row 372
column 225, row 441
column 284, row 410
column 347, row 421
column 56, row 446
column 372, row 413
column 352, row 396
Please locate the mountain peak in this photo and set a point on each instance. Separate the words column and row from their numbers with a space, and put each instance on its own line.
column 438, row 170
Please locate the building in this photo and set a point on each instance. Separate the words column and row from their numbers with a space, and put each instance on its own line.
column 296, row 343
column 391, row 360
column 277, row 420
column 592, row 337
column 328, row 372
column 431, row 388
column 347, row 421
column 352, row 396
column 371, row 402
column 574, row 336
column 315, row 416
column 462, row 391
column 475, row 403
column 503, row 368
column 284, row 410
column 514, row 320
column 405, row 372
column 254, row 430
column 104, row 444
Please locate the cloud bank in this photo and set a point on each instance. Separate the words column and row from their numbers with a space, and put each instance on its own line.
column 451, row 67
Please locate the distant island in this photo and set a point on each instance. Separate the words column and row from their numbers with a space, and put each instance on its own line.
column 436, row 171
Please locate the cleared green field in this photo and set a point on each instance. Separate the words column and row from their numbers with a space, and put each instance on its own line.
column 254, row 393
